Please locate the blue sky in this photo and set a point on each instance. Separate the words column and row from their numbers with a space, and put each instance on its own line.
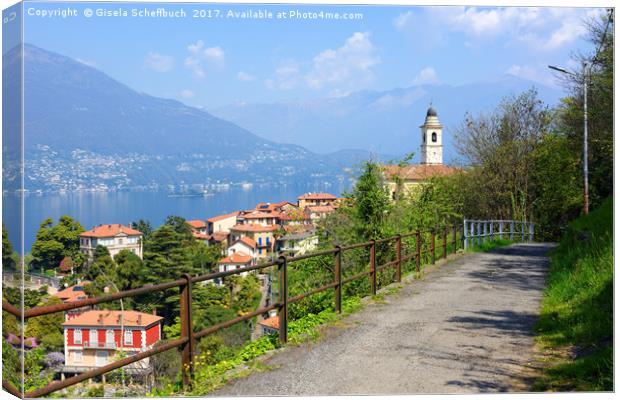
column 214, row 62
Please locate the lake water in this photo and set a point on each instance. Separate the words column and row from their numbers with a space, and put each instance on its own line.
column 92, row 209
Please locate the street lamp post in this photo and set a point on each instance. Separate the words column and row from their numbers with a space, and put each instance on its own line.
column 586, row 200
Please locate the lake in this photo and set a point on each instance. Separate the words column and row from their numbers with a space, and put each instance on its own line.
column 94, row 208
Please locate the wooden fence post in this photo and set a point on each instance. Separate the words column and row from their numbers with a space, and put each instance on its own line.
column 418, row 253
column 398, row 257
column 187, row 330
column 454, row 228
column 465, row 234
column 433, row 246
column 373, row 269
column 445, row 241
column 283, row 301
column 338, row 279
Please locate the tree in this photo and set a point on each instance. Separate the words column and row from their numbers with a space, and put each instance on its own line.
column 55, row 242
column 7, row 251
column 500, row 146
column 48, row 326
column 371, row 202
column 130, row 271
column 180, row 226
column 143, row 226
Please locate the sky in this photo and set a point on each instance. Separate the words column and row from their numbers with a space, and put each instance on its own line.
column 212, row 62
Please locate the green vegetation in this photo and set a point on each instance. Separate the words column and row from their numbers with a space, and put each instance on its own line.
column 577, row 309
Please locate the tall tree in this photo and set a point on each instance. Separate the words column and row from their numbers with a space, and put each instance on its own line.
column 7, row 250
column 371, row 201
column 55, row 242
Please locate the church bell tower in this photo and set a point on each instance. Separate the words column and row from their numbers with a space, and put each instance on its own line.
column 432, row 148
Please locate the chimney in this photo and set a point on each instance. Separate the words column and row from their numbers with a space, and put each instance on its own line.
column 139, row 319
column 118, row 319
column 154, row 311
column 100, row 319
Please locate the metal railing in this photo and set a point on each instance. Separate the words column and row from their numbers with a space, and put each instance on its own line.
column 187, row 341
column 476, row 232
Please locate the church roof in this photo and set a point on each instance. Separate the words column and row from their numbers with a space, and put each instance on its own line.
column 431, row 112
column 418, row 172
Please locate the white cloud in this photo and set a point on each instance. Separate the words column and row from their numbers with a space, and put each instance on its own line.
column 245, row 77
column 286, row 76
column 201, row 56
column 158, row 62
column 427, row 76
column 348, row 64
column 540, row 29
column 187, row 94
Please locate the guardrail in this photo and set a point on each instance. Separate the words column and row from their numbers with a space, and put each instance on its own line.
column 187, row 341
column 478, row 231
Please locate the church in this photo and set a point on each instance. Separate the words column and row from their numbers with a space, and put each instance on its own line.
column 406, row 178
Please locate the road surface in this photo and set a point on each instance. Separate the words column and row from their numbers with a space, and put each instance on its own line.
column 466, row 327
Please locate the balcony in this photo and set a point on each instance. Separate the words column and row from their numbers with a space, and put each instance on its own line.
column 99, row 345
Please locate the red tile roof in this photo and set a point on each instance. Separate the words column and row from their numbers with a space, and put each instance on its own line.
column 249, row 241
column 224, row 216
column 271, row 322
column 317, row 196
column 112, row 318
column 218, row 236
column 254, row 228
column 110, row 230
column 70, row 294
column 197, row 224
column 201, row 236
column 258, row 214
column 418, row 172
column 238, row 257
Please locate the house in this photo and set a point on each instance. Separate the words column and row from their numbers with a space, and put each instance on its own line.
column 222, row 223
column 71, row 294
column 315, row 199
column 407, row 179
column 297, row 243
column 95, row 337
column 319, row 212
column 270, row 325
column 115, row 237
column 217, row 238
column 263, row 235
column 198, row 226
column 236, row 260
column 258, row 217
column 243, row 245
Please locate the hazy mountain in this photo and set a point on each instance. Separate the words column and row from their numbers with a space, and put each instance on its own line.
column 378, row 121
column 84, row 129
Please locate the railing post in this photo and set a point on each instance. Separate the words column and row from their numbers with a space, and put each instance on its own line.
column 418, row 253
column 373, row 269
column 491, row 232
column 433, row 246
column 338, row 279
column 398, row 257
column 501, row 229
column 283, row 301
column 465, row 234
column 479, row 228
column 522, row 231
column 187, row 330
column 512, row 230
column 472, row 233
column 445, row 241
column 531, row 232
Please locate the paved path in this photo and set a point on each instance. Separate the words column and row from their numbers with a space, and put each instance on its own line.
column 467, row 327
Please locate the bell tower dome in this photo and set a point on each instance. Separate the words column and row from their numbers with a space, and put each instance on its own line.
column 432, row 148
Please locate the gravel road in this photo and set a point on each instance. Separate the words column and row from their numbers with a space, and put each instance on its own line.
column 466, row 327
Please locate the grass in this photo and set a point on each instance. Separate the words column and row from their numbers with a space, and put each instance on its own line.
column 576, row 321
column 489, row 245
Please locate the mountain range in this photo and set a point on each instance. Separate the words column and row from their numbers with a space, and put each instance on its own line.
column 85, row 130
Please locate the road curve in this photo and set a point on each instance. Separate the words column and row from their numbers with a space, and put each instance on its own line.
column 467, row 327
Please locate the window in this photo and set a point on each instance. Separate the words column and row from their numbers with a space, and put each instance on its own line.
column 424, row 137
column 260, row 241
column 129, row 337
column 109, row 336
column 434, row 137
column 120, row 240
column 77, row 336
column 78, row 356
column 93, row 336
